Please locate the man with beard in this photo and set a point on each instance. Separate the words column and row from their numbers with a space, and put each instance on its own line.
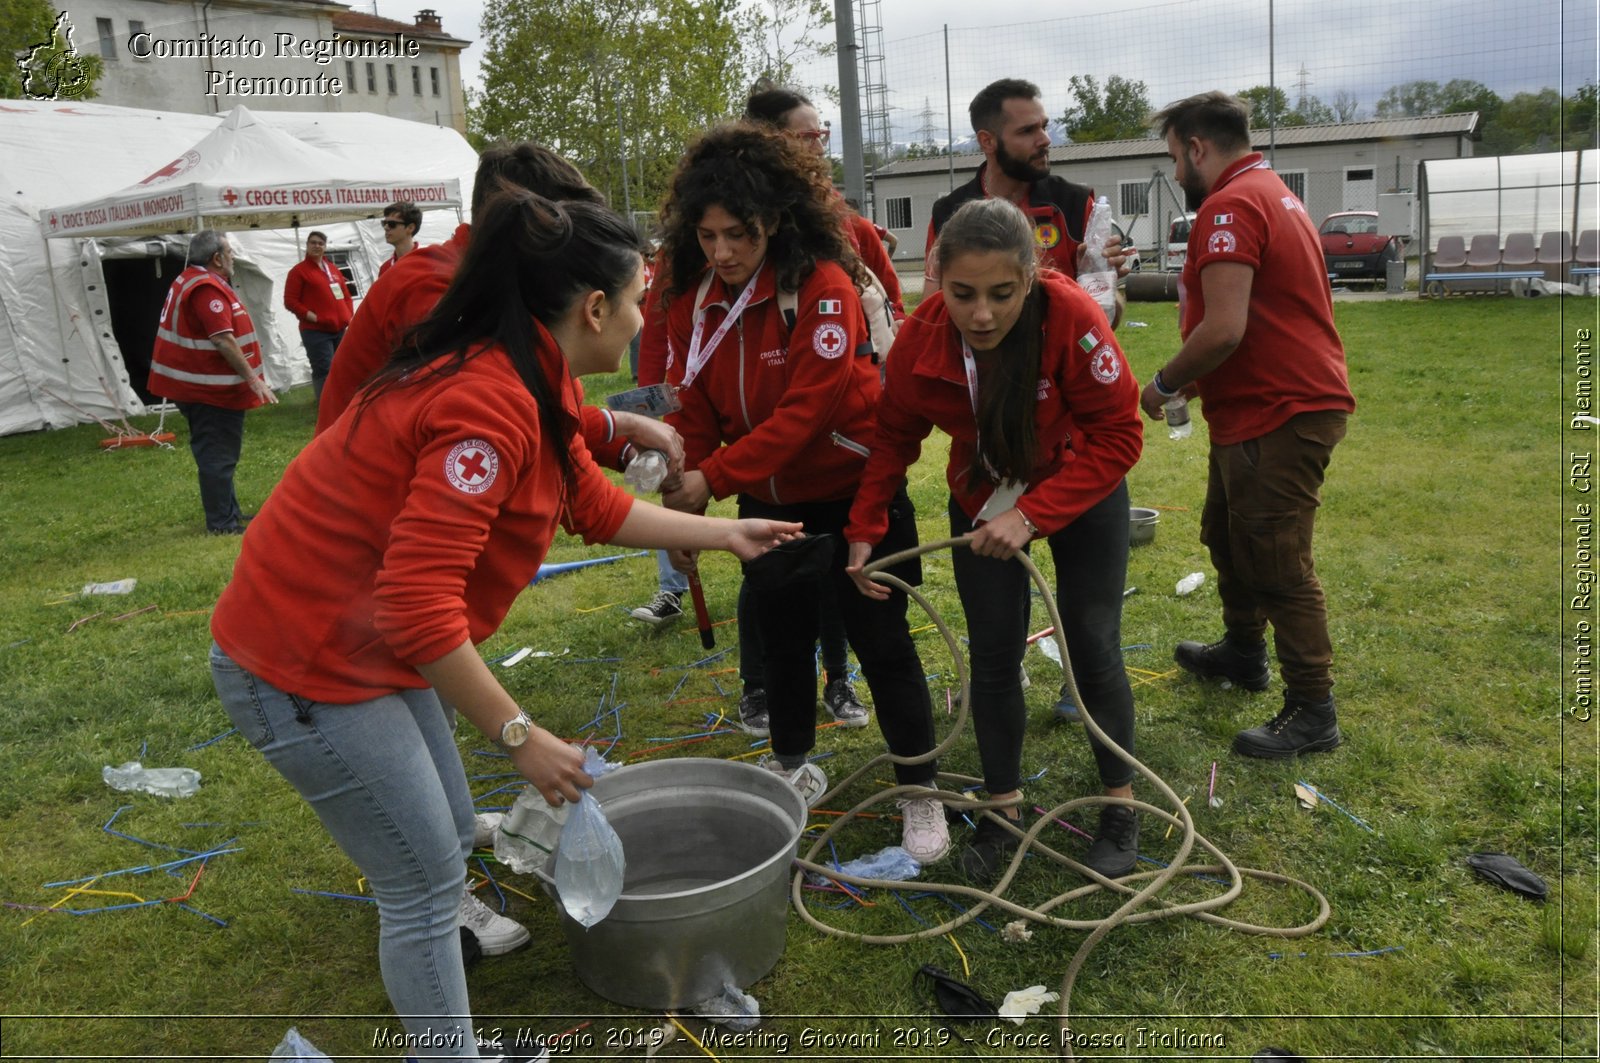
column 1260, row 349
column 1012, row 132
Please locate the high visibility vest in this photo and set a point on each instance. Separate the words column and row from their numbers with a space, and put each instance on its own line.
column 185, row 365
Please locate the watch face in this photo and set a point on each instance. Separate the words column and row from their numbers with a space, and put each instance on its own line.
column 515, row 732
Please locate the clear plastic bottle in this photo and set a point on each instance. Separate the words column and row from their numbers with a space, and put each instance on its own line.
column 133, row 777
column 1096, row 276
column 646, row 471
column 1178, row 424
column 1191, row 583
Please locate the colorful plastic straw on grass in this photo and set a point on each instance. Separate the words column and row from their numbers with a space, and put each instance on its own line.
column 1357, row 820
column 546, row 571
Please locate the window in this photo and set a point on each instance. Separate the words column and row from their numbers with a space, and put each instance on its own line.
column 416, row 81
column 1358, row 175
column 135, row 27
column 1296, row 180
column 433, row 76
column 393, row 88
column 350, row 74
column 108, row 38
column 372, row 77
column 1133, row 198
column 897, row 212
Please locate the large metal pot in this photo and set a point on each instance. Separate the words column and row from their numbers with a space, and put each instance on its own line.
column 708, row 845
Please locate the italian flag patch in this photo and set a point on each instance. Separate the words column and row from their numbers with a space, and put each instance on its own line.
column 1222, row 219
column 1090, row 340
column 830, row 306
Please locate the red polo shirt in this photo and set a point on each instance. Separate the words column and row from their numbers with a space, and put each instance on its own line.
column 1290, row 360
column 317, row 286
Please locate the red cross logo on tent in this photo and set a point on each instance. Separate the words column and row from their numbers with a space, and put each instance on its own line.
column 829, row 339
column 471, row 466
column 52, row 219
column 183, row 162
column 1105, row 367
column 229, row 196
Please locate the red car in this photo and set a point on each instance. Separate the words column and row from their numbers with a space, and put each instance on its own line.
column 1352, row 246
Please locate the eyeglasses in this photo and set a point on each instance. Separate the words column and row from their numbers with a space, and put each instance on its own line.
column 391, row 224
column 814, row 134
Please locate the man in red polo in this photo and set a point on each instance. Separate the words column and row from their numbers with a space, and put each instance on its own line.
column 402, row 220
column 207, row 361
column 315, row 292
column 1260, row 349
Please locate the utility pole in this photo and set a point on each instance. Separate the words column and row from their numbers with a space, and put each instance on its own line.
column 844, row 25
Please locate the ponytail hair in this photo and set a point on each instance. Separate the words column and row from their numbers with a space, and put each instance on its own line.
column 1008, row 438
column 528, row 258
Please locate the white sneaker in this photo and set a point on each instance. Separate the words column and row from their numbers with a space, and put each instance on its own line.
column 496, row 934
column 810, row 780
column 484, row 826
column 924, row 833
column 664, row 608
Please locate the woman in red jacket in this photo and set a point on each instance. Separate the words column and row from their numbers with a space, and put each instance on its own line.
column 773, row 410
column 412, row 524
column 1018, row 368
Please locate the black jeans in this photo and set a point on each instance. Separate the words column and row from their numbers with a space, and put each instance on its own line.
column 216, row 436
column 830, row 632
column 1091, row 560
column 877, row 631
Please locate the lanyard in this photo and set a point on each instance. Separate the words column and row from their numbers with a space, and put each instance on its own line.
column 971, row 365
column 698, row 355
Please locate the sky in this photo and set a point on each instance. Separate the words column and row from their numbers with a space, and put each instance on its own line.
column 1178, row 47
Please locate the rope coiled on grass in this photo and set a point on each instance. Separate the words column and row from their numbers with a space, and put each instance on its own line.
column 1142, row 905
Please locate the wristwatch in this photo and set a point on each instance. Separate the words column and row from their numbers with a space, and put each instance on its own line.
column 515, row 731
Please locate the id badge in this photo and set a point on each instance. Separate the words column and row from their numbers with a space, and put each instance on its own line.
column 657, row 400
column 338, row 292
column 1005, row 496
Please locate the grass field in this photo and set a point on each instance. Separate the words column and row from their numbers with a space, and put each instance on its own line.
column 1441, row 547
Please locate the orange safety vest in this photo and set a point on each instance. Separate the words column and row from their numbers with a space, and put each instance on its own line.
column 185, row 365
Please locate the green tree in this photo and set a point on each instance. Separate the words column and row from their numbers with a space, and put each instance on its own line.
column 1582, row 127
column 1312, row 111
column 33, row 32
column 1268, row 102
column 1459, row 95
column 1527, row 122
column 1121, row 112
column 787, row 33
column 611, row 83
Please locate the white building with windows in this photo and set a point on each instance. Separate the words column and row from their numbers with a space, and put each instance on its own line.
column 207, row 56
column 1330, row 167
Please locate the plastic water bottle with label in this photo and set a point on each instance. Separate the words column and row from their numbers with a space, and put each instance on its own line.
column 1096, row 275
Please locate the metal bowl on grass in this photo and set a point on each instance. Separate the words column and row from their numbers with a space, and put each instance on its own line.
column 1142, row 525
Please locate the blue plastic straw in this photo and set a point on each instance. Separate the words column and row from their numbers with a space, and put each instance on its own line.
column 1357, row 820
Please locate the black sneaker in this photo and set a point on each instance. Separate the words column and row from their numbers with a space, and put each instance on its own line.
column 839, row 698
column 1115, row 849
column 753, row 713
column 1245, row 667
column 1300, row 727
column 986, row 855
column 664, row 608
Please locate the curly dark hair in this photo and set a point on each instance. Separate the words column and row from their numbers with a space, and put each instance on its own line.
column 773, row 184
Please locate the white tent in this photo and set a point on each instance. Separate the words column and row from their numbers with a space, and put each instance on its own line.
column 64, row 302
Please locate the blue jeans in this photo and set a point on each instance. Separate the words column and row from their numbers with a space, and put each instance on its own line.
column 385, row 779
column 216, row 435
column 319, row 352
column 670, row 578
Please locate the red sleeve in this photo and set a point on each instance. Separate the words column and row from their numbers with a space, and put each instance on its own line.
column 294, row 292
column 653, row 340
column 816, row 386
column 1108, row 433
column 599, row 431
column 596, row 507
column 419, row 595
column 876, row 256
column 393, row 304
column 896, row 441
column 930, row 265
column 211, row 308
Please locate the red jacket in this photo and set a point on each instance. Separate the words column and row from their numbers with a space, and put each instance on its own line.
column 317, row 286
column 1088, row 424
column 1290, row 360
column 869, row 245
column 775, row 396
column 185, row 366
column 411, row 528
column 400, row 299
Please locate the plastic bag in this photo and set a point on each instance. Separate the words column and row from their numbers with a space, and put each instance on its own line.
column 296, row 1049
column 133, row 777
column 646, row 472
column 589, row 863
column 733, row 1008
column 892, row 864
column 1191, row 583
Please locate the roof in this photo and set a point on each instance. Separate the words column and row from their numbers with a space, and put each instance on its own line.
column 358, row 22
column 1439, row 125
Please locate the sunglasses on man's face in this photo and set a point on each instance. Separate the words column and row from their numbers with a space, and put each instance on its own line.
column 389, row 224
